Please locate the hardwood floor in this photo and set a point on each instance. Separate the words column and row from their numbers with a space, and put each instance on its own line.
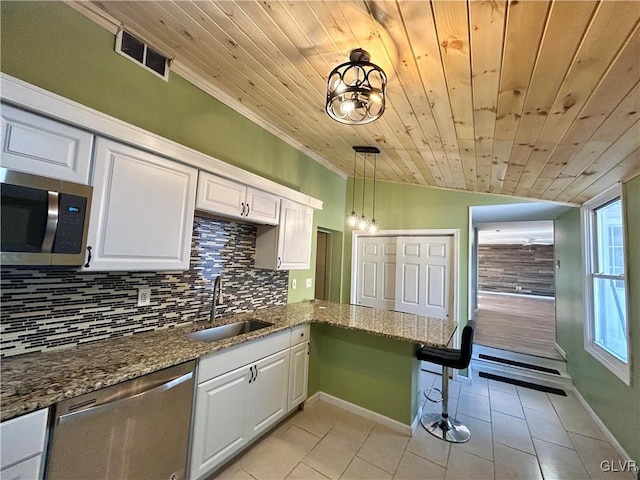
column 519, row 324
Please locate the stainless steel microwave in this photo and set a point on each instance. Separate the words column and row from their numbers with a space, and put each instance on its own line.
column 44, row 221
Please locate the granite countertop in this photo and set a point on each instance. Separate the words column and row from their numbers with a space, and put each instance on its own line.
column 38, row 380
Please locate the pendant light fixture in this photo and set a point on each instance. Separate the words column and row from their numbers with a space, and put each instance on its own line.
column 362, row 222
column 356, row 90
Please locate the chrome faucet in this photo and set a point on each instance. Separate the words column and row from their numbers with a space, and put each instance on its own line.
column 217, row 289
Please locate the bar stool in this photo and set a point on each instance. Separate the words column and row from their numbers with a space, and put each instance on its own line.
column 440, row 425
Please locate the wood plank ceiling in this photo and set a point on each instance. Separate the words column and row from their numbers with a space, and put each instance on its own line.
column 534, row 99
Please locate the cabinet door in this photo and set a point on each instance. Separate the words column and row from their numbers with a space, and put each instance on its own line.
column 262, row 207
column 220, row 424
column 294, row 236
column 142, row 210
column 28, row 470
column 269, row 392
column 219, row 195
column 298, row 374
column 41, row 146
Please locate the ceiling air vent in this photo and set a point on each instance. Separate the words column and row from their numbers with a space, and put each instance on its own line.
column 141, row 53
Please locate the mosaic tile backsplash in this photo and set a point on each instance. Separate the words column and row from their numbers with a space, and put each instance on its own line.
column 44, row 309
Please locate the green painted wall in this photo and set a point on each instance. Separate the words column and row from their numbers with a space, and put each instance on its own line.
column 377, row 373
column 615, row 403
column 50, row 45
column 402, row 207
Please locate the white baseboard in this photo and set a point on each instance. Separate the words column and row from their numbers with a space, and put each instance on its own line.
column 612, row 440
column 561, row 351
column 363, row 412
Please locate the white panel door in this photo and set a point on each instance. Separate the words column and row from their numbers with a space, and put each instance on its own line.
column 423, row 275
column 376, row 283
column 142, row 210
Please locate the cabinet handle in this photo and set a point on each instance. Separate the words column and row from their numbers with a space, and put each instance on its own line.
column 279, row 262
column 242, row 213
column 248, row 210
column 251, row 370
column 257, row 371
column 86, row 265
column 308, row 349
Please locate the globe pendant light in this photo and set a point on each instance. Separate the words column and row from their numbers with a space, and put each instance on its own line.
column 356, row 90
column 362, row 223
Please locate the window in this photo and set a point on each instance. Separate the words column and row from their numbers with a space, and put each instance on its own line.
column 606, row 327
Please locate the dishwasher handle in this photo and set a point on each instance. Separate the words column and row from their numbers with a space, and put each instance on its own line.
column 68, row 417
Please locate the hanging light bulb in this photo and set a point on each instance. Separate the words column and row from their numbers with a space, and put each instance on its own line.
column 362, row 222
column 352, row 218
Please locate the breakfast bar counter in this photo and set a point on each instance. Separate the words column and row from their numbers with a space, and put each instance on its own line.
column 38, row 380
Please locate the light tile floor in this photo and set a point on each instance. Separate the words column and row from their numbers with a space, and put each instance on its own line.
column 517, row 433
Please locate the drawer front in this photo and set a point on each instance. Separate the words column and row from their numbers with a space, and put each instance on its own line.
column 22, row 437
column 235, row 357
column 300, row 334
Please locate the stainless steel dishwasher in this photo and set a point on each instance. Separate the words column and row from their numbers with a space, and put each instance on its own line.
column 134, row 430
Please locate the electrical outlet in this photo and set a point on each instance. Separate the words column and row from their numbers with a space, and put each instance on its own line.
column 309, row 282
column 294, row 284
column 144, row 297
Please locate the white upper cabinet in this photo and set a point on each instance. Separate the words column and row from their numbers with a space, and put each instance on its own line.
column 287, row 246
column 142, row 210
column 41, row 146
column 236, row 200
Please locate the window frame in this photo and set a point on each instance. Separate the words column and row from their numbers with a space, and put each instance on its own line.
column 620, row 369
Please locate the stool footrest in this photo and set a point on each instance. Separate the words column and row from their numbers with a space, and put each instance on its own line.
column 427, row 392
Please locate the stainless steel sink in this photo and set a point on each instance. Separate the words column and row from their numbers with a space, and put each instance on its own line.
column 214, row 334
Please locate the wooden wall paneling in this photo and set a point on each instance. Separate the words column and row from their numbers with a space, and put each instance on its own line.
column 622, row 76
column 421, row 32
column 523, row 32
column 487, row 20
column 609, row 30
column 516, row 269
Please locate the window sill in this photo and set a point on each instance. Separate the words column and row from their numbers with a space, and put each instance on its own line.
column 615, row 366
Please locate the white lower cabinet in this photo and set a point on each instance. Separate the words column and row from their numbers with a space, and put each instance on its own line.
column 234, row 407
column 22, row 445
column 298, row 374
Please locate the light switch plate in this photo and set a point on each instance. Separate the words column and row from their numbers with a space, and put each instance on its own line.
column 309, row 282
column 294, row 284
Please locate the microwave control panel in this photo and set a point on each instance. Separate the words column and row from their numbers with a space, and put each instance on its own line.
column 71, row 215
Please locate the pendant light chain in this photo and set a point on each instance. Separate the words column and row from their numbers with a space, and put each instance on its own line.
column 375, row 165
column 353, row 192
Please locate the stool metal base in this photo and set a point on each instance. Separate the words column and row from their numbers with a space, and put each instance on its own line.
column 448, row 429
